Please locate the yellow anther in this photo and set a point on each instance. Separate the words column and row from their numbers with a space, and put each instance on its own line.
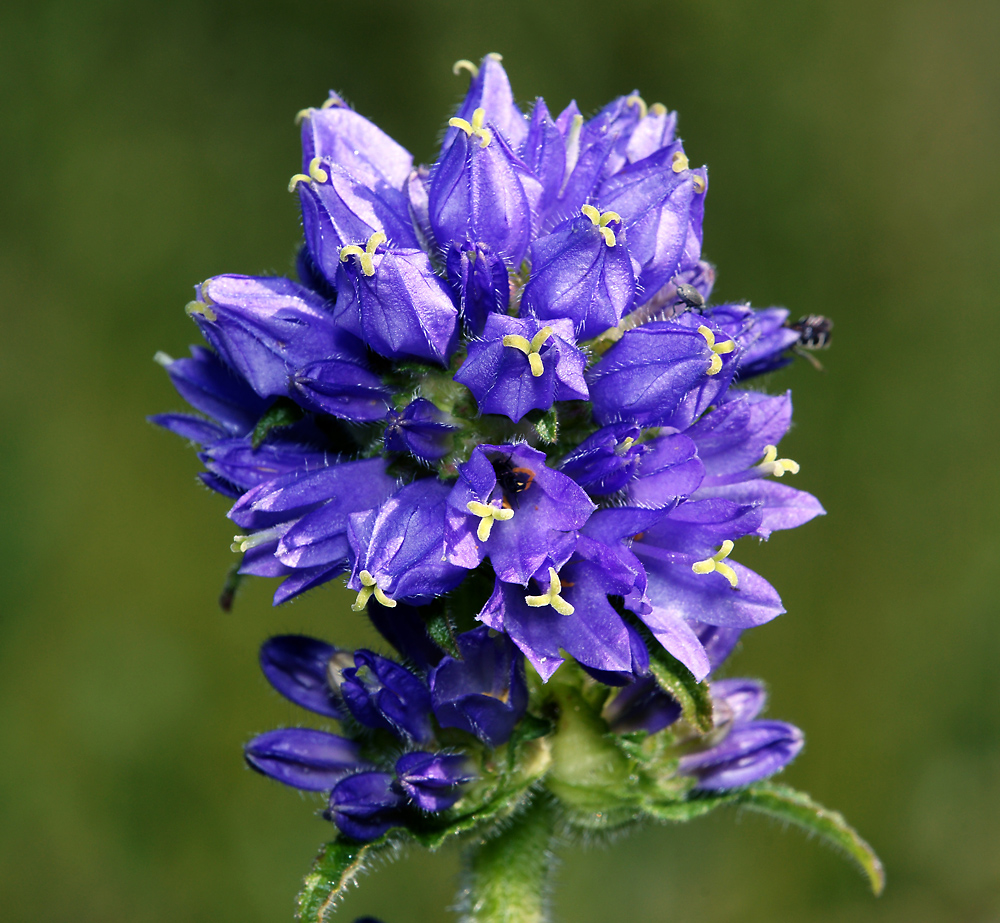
column 699, row 183
column 370, row 588
column 303, row 114
column 199, row 307
column 316, row 171
column 332, row 101
column 658, row 109
column 475, row 128
column 601, row 220
column 634, row 100
column 714, row 564
column 495, row 56
column 365, row 256
column 531, row 349
column 552, row 597
column 776, row 466
column 624, row 445
column 488, row 514
column 718, row 349
column 465, row 65
column 680, row 162
column 298, row 178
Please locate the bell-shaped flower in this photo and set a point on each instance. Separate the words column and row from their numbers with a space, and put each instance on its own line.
column 303, row 758
column 399, row 549
column 480, row 190
column 544, row 154
column 661, row 374
column 365, row 805
column 737, row 442
column 266, row 328
column 392, row 299
column 340, row 208
column 299, row 668
column 480, row 279
column 484, row 692
column 668, row 471
column 656, row 201
column 523, row 364
column 239, row 463
column 434, row 781
column 508, row 505
column 490, row 90
column 342, row 388
column 382, row 694
column 211, row 387
column 606, row 461
column 419, row 429
column 582, row 271
column 337, row 134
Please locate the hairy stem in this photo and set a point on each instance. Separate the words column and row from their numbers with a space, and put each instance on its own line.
column 508, row 876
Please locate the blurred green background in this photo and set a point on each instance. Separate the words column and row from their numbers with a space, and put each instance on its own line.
column 853, row 147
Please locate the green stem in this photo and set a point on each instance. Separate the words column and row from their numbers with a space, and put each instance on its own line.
column 508, row 876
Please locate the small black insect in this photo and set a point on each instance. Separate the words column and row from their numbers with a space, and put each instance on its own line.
column 690, row 296
column 814, row 333
column 512, row 479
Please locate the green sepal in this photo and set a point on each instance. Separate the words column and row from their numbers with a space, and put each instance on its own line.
column 675, row 678
column 678, row 812
column 798, row 808
column 442, row 633
column 547, row 426
column 283, row 412
column 338, row 864
column 530, row 727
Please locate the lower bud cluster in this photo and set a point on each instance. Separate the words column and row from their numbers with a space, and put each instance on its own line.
column 452, row 734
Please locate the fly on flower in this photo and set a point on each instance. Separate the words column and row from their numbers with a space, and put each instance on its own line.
column 497, row 400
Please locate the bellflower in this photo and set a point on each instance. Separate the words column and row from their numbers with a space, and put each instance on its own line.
column 498, row 403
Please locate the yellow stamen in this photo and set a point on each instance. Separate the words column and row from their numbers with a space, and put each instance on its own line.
column 601, row 220
column 298, row 178
column 199, row 307
column 531, row 349
column 680, row 162
column 552, row 597
column 366, row 255
column 699, row 183
column 303, row 114
column 475, row 128
column 718, row 349
column 488, row 515
column 714, row 564
column 316, row 172
column 658, row 109
column 776, row 466
column 634, row 100
column 330, row 101
column 465, row 65
column 370, row 588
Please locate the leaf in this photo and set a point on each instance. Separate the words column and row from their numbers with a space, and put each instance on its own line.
column 798, row 808
column 282, row 412
column 679, row 681
column 337, row 865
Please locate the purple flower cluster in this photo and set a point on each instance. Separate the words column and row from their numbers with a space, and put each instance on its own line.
column 488, row 399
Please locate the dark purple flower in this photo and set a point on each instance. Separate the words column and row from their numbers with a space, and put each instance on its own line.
column 749, row 753
column 303, row 758
column 508, row 505
column 484, row 692
column 298, row 667
column 400, row 548
column 581, row 271
column 661, row 374
column 641, row 706
column 420, row 429
column 434, row 780
column 480, row 279
column 523, row 364
column 366, row 805
column 393, row 300
column 381, row 693
column 267, row 328
column 606, row 461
